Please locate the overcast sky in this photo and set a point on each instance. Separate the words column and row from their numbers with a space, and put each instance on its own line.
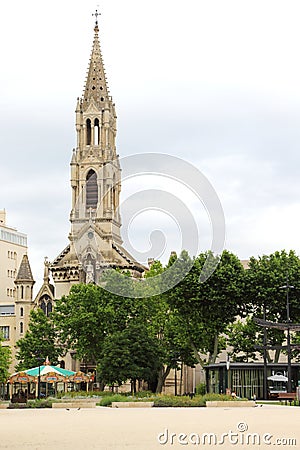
column 216, row 83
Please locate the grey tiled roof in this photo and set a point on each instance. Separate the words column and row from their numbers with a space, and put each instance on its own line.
column 24, row 273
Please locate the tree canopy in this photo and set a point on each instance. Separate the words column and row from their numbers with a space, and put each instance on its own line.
column 205, row 309
column 140, row 330
column 264, row 291
column 5, row 360
column 39, row 342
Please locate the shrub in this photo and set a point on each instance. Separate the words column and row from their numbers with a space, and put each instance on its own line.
column 108, row 399
column 80, row 394
column 42, row 403
column 166, row 400
column 143, row 394
column 201, row 389
column 175, row 402
column 221, row 397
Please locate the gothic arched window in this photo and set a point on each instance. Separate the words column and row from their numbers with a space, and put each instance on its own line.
column 96, row 132
column 49, row 308
column 21, row 328
column 43, row 306
column 88, row 132
column 91, row 190
column 46, row 305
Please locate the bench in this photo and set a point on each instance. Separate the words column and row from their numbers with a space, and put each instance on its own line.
column 287, row 397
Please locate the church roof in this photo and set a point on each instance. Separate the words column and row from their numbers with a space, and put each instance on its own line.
column 96, row 85
column 24, row 273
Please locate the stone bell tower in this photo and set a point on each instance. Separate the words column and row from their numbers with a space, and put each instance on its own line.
column 95, row 239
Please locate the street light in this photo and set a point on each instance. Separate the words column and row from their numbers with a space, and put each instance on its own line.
column 39, row 360
column 228, row 375
column 288, row 287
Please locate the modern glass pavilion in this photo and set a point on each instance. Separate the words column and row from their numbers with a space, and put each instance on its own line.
column 247, row 379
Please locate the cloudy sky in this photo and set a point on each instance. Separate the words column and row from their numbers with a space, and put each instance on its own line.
column 216, row 83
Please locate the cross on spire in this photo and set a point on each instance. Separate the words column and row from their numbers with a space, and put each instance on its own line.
column 96, row 14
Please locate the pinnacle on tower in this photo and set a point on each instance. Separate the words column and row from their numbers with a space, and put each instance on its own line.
column 96, row 84
column 24, row 273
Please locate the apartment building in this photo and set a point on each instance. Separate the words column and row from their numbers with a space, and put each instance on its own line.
column 16, row 284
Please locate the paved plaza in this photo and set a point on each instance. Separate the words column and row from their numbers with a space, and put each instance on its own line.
column 150, row 428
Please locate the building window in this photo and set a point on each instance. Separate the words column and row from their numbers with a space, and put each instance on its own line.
column 21, row 328
column 46, row 305
column 91, row 190
column 21, row 311
column 22, row 292
column 7, row 292
column 5, row 332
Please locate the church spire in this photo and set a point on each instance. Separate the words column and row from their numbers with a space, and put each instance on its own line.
column 96, row 85
column 95, row 237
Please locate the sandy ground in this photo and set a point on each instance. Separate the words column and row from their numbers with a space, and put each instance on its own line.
column 106, row 428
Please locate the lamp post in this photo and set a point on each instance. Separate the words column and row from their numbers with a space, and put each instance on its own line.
column 265, row 383
column 288, row 287
column 228, row 375
column 39, row 359
column 39, row 382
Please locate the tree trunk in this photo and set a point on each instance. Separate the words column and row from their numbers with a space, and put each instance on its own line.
column 277, row 355
column 133, row 386
column 197, row 356
column 181, row 377
column 162, row 375
column 213, row 356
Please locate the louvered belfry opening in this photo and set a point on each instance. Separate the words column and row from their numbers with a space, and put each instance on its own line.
column 88, row 132
column 91, row 190
column 96, row 132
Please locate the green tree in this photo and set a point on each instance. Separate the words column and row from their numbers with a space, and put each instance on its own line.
column 5, row 360
column 130, row 354
column 40, row 341
column 174, row 347
column 90, row 313
column 207, row 308
column 92, row 318
column 263, row 291
column 242, row 337
column 81, row 319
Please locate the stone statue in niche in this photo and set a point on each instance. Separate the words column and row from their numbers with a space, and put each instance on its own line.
column 90, row 275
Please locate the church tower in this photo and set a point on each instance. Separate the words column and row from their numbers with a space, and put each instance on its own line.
column 95, row 238
column 24, row 303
